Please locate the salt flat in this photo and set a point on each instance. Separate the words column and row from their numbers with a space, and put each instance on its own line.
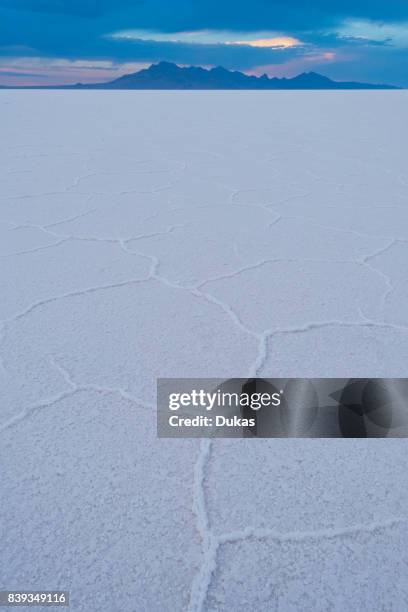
column 212, row 235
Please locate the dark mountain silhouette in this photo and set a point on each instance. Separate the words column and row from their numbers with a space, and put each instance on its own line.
column 166, row 75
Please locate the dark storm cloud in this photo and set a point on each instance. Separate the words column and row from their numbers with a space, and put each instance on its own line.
column 242, row 15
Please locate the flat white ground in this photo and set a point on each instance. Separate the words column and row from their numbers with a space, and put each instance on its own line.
column 198, row 234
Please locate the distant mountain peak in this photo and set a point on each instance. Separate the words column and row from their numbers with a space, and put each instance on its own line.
column 220, row 69
column 163, row 66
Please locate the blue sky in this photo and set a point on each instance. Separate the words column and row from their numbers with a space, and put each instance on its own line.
column 65, row 41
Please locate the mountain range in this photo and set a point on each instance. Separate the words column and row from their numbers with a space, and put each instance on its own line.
column 166, row 75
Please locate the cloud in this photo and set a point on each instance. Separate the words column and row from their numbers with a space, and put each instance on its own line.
column 276, row 42
column 241, row 15
column 80, row 8
column 395, row 34
column 16, row 73
column 45, row 71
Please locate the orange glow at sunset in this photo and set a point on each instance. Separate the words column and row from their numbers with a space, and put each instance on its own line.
column 278, row 41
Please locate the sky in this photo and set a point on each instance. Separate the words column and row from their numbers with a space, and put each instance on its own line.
column 49, row 42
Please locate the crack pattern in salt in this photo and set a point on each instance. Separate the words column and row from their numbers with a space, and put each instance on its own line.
column 202, row 219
